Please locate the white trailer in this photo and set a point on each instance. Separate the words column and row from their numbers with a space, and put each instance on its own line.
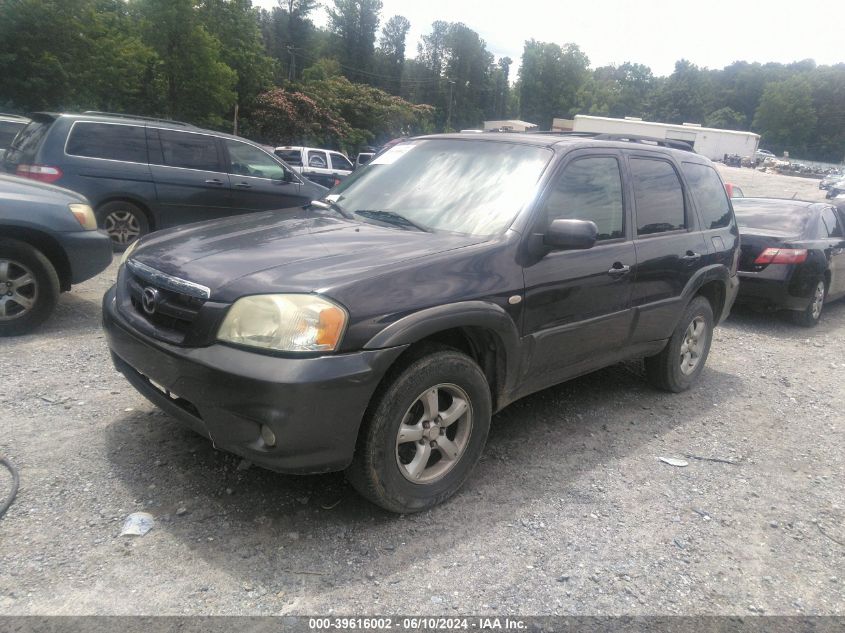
column 708, row 141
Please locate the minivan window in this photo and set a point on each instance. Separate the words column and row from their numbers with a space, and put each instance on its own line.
column 659, row 196
column 190, row 151
column 461, row 186
column 709, row 195
column 246, row 160
column 25, row 144
column 339, row 162
column 590, row 189
column 126, row 143
column 8, row 131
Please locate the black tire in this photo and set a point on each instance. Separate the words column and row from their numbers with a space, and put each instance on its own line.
column 664, row 370
column 812, row 314
column 20, row 261
column 381, row 465
column 125, row 222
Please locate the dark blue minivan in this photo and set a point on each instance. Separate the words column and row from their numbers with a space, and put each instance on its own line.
column 144, row 174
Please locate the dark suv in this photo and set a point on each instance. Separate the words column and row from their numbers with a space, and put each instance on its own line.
column 379, row 329
column 146, row 174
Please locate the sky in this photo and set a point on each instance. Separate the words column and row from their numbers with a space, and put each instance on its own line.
column 709, row 33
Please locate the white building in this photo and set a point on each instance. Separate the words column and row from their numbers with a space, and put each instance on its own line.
column 513, row 125
column 708, row 141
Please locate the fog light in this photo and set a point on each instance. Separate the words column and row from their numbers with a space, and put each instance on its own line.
column 267, row 435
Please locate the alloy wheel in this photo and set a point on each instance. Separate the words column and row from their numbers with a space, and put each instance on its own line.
column 18, row 290
column 434, row 433
column 818, row 301
column 122, row 226
column 695, row 340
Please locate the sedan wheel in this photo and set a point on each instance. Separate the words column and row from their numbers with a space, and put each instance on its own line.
column 812, row 314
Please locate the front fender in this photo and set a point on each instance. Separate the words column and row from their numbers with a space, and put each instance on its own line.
column 478, row 314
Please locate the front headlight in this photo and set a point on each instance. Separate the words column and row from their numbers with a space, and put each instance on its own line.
column 128, row 252
column 84, row 215
column 285, row 323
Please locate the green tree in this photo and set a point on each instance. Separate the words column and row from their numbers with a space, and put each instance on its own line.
column 354, row 23
column 726, row 119
column 235, row 25
column 198, row 85
column 551, row 78
column 390, row 55
column 684, row 95
column 786, row 118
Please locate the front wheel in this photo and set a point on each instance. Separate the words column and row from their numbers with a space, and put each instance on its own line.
column 29, row 287
column 810, row 316
column 678, row 366
column 423, row 433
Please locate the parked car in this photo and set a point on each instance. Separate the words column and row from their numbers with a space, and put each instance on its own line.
column 10, row 125
column 363, row 158
column 829, row 180
column 323, row 166
column 835, row 189
column 792, row 257
column 48, row 241
column 144, row 174
column 761, row 155
column 733, row 190
column 379, row 329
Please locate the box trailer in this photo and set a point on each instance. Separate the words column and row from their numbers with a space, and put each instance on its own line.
column 708, row 141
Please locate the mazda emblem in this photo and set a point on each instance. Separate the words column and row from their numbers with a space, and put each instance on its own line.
column 149, row 300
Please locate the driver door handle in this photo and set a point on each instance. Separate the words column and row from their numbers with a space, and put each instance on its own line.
column 619, row 270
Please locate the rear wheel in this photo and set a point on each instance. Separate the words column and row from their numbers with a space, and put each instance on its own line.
column 125, row 222
column 678, row 366
column 810, row 316
column 423, row 433
column 29, row 287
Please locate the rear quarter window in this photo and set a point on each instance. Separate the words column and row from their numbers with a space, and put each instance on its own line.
column 709, row 195
column 108, row 141
column 26, row 143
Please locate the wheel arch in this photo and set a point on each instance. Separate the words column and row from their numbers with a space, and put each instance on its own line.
column 482, row 330
column 48, row 245
column 138, row 202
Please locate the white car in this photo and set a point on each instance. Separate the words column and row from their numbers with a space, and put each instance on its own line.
column 323, row 166
column 762, row 154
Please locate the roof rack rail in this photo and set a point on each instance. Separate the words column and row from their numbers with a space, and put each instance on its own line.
column 9, row 115
column 647, row 140
column 120, row 115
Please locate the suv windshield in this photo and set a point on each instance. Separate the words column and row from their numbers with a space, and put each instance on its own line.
column 473, row 187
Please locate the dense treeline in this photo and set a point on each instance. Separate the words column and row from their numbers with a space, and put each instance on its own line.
column 354, row 82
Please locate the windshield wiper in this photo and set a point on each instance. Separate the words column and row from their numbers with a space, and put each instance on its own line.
column 391, row 217
column 334, row 206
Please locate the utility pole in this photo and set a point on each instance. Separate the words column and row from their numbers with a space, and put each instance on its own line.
column 449, row 107
column 235, row 122
column 292, row 66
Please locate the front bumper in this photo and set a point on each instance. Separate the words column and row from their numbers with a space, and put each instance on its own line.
column 314, row 406
column 88, row 252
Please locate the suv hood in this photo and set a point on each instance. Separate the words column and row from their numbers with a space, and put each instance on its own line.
column 266, row 253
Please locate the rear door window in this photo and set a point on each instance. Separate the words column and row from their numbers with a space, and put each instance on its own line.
column 831, row 224
column 189, row 151
column 109, row 141
column 339, row 162
column 659, row 196
column 318, row 160
column 709, row 195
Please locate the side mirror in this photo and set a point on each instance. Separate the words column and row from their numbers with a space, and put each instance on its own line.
column 571, row 234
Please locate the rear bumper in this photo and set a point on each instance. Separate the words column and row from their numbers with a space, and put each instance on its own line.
column 88, row 252
column 774, row 294
column 314, row 406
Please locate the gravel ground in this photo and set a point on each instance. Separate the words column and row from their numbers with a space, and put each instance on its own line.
column 569, row 512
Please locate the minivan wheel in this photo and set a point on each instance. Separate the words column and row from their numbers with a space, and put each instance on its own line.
column 678, row 366
column 423, row 432
column 812, row 314
column 29, row 287
column 123, row 221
